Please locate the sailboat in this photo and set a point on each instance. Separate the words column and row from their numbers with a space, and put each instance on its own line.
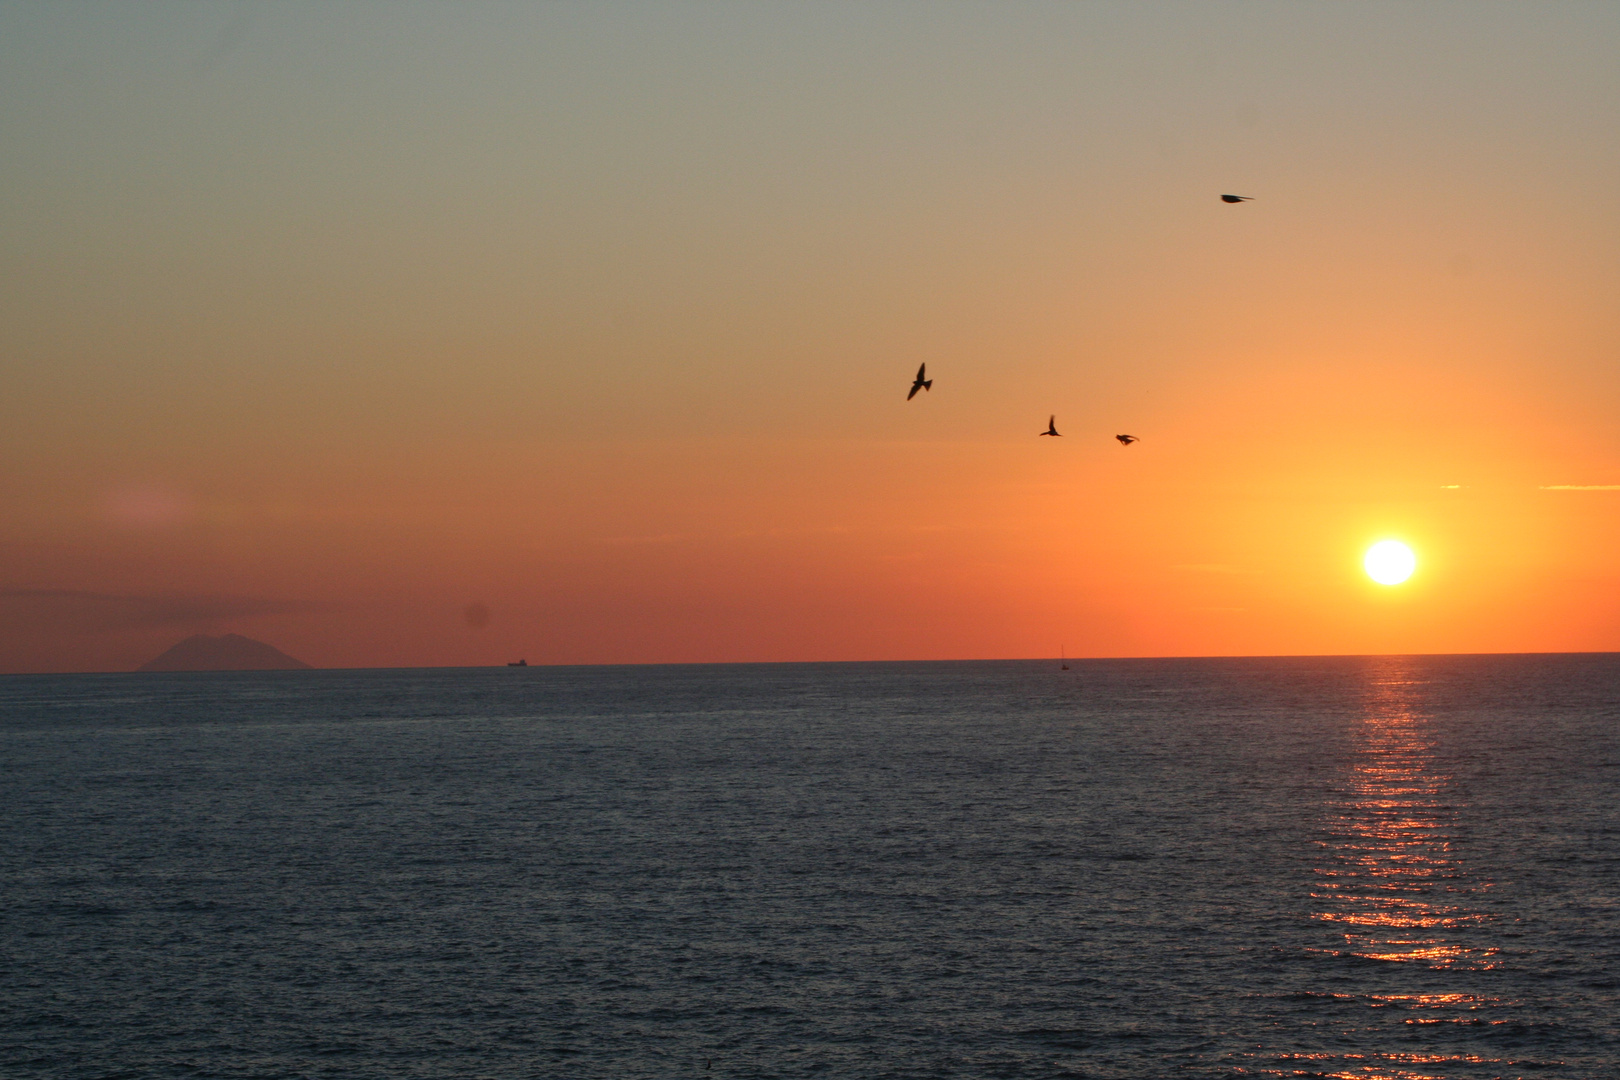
column 1063, row 658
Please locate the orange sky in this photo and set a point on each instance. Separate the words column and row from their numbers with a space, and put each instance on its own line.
column 326, row 324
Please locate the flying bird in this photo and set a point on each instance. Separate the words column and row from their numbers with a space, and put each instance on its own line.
column 1051, row 427
column 1126, row 440
column 920, row 383
column 1237, row 198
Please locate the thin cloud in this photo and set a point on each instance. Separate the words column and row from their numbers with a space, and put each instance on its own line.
column 103, row 611
column 1580, row 487
column 638, row 541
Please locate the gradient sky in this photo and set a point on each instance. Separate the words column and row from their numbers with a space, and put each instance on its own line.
column 430, row 334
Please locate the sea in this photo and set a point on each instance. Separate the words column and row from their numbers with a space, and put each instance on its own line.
column 1354, row 867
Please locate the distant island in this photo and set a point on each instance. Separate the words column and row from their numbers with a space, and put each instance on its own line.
column 228, row 652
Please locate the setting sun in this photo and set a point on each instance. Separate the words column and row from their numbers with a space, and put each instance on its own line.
column 1389, row 562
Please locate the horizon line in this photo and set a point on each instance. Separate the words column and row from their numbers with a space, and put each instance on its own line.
column 808, row 663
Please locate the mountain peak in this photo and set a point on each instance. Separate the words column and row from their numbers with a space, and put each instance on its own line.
column 228, row 652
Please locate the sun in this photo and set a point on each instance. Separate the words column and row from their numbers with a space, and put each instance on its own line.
column 1389, row 562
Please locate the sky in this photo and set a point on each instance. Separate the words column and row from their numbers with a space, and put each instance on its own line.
column 401, row 334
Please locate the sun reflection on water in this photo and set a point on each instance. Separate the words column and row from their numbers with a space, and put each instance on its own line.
column 1392, row 886
column 1392, row 881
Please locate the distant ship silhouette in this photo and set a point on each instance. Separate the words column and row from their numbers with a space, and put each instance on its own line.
column 517, row 663
column 228, row 652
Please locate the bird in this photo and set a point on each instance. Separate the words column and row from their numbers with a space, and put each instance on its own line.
column 1051, row 427
column 920, row 383
column 1237, row 198
column 1126, row 440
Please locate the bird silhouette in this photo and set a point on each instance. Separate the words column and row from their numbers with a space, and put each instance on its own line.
column 1237, row 198
column 1126, row 440
column 920, row 383
column 1051, row 427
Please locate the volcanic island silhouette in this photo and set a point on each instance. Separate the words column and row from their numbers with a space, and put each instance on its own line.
column 228, row 652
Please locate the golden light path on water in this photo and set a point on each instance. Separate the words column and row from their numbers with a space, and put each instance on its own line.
column 1392, row 884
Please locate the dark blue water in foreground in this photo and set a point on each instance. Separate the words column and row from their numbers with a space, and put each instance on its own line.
column 1374, row 867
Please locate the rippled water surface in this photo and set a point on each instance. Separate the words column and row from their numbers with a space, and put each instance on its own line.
column 1365, row 867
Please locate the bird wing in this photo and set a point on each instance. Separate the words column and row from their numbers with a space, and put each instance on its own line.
column 921, row 368
column 914, row 388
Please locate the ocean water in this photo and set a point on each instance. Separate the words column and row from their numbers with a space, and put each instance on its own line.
column 1351, row 867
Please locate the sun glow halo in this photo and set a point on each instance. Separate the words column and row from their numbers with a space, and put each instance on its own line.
column 1389, row 562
